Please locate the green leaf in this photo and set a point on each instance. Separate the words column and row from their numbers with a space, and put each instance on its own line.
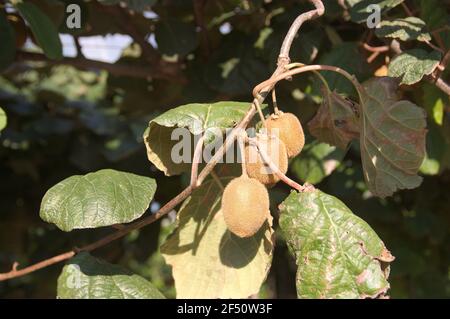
column 411, row 66
column 103, row 198
column 86, row 277
column 360, row 10
column 337, row 253
column 45, row 32
column 207, row 260
column 410, row 28
column 336, row 121
column 392, row 139
column 197, row 118
column 437, row 149
column 3, row 119
column 175, row 37
column 317, row 161
column 7, row 39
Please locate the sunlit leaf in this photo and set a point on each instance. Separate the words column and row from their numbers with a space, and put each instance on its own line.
column 197, row 118
column 410, row 28
column 338, row 255
column 103, row 198
column 3, row 119
column 411, row 66
column 207, row 260
column 86, row 277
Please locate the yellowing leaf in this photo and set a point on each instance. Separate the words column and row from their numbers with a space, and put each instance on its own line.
column 207, row 260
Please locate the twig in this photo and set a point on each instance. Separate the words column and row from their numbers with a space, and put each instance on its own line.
column 275, row 169
column 196, row 160
column 121, row 69
column 282, row 61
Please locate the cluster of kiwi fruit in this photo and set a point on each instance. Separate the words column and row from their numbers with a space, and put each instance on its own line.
column 245, row 201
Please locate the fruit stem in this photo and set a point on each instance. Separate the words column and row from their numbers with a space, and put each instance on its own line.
column 274, row 102
column 266, row 158
column 260, row 113
column 241, row 140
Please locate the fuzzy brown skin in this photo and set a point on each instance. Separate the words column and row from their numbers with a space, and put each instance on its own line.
column 245, row 206
column 289, row 129
column 255, row 165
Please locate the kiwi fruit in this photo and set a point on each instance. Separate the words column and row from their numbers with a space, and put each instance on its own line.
column 245, row 206
column 255, row 165
column 289, row 129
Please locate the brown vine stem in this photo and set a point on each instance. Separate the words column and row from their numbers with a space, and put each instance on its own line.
column 306, row 68
column 266, row 158
column 169, row 206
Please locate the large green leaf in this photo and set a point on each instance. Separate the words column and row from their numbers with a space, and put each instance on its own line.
column 7, row 39
column 44, row 30
column 336, row 121
column 360, row 10
column 103, row 198
column 410, row 28
column 86, row 277
column 175, row 37
column 411, row 66
column 392, row 139
column 317, row 161
column 198, row 118
column 3, row 119
column 207, row 260
column 337, row 253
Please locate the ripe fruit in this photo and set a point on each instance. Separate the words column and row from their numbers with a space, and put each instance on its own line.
column 257, row 168
column 245, row 206
column 289, row 129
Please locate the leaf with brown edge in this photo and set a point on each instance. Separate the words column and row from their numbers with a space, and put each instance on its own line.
column 392, row 138
column 336, row 121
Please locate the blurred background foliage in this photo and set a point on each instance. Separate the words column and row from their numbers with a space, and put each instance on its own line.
column 75, row 115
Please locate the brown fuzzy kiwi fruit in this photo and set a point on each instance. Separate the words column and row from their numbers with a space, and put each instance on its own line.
column 245, row 206
column 289, row 129
column 257, row 168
